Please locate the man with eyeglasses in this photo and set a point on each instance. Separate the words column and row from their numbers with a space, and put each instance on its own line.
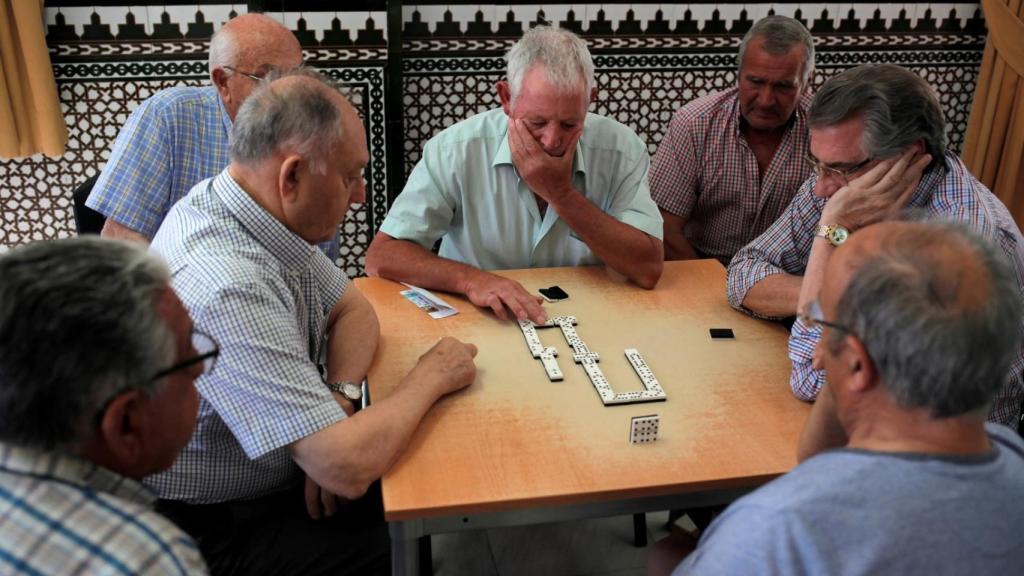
column 878, row 143
column 900, row 473
column 97, row 363
column 277, row 439
column 731, row 161
column 179, row 136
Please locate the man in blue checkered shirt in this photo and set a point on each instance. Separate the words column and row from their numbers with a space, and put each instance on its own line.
column 98, row 359
column 276, row 440
column 180, row 135
column 878, row 147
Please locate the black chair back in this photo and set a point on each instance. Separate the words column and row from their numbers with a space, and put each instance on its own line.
column 87, row 220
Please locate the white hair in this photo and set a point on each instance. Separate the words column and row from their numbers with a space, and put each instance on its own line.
column 565, row 57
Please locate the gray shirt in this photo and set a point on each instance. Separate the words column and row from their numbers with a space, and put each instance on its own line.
column 860, row 512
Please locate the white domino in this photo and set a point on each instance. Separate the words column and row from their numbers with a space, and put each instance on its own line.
column 547, row 358
column 643, row 429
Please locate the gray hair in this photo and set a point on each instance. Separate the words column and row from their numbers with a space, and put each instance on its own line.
column 942, row 334
column 780, row 35
column 78, row 324
column 564, row 55
column 297, row 116
column 898, row 108
column 223, row 49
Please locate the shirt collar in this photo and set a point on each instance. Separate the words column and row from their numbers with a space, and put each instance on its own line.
column 930, row 182
column 292, row 251
column 503, row 156
column 74, row 471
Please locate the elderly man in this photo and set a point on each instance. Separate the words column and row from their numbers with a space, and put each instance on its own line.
column 921, row 323
column 180, row 135
column 538, row 182
column 97, row 363
column 877, row 137
column 730, row 162
column 240, row 247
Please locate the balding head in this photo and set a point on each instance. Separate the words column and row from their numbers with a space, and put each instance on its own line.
column 936, row 307
column 299, row 148
column 246, row 46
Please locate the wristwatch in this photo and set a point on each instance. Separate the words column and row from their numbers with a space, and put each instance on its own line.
column 834, row 233
column 350, row 390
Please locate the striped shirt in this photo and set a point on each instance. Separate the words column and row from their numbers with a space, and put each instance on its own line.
column 172, row 141
column 64, row 515
column 706, row 173
column 950, row 193
column 265, row 295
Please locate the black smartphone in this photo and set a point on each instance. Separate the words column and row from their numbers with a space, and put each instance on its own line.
column 553, row 294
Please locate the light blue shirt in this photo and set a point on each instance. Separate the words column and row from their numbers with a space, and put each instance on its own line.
column 466, row 191
column 852, row 512
column 171, row 142
column 265, row 295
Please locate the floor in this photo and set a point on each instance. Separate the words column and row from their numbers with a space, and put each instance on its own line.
column 597, row 547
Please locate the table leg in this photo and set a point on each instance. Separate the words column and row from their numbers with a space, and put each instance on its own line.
column 405, row 553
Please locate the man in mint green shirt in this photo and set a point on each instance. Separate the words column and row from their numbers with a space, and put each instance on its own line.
column 536, row 183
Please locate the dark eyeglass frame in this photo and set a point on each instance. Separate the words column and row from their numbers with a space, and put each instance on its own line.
column 822, row 170
column 812, row 317
column 193, row 360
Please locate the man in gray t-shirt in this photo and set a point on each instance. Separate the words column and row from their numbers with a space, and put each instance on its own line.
column 900, row 474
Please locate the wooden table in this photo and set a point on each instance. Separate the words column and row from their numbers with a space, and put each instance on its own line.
column 515, row 448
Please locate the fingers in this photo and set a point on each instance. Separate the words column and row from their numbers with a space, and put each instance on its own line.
column 311, row 492
column 330, row 503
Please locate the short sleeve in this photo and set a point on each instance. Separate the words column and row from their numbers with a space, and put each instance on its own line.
column 424, row 211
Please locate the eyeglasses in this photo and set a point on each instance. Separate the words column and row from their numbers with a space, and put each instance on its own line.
column 208, row 351
column 823, row 170
column 257, row 77
column 812, row 319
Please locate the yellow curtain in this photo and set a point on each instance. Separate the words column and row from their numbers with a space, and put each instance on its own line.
column 994, row 146
column 31, row 120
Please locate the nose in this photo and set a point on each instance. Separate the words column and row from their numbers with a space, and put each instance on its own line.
column 765, row 96
column 359, row 193
column 827, row 185
column 551, row 139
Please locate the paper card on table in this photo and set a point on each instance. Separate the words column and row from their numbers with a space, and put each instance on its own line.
column 428, row 302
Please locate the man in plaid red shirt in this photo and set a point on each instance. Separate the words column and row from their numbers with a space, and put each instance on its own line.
column 878, row 142
column 731, row 161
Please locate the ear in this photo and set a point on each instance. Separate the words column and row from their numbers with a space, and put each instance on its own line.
column 220, row 80
column 505, row 95
column 120, row 437
column 593, row 94
column 863, row 374
column 288, row 178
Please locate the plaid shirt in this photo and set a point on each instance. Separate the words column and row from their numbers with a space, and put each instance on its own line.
column 65, row 515
column 705, row 172
column 944, row 193
column 172, row 141
column 265, row 295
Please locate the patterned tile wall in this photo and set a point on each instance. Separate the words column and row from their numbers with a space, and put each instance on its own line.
column 651, row 58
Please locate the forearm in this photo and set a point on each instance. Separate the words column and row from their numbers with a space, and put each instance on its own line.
column 348, row 456
column 112, row 229
column 625, row 249
column 352, row 339
column 776, row 295
column 406, row 261
column 821, row 251
column 677, row 245
column 822, row 430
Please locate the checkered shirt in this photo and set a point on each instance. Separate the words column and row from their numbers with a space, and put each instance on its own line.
column 264, row 294
column 172, row 141
column 704, row 171
column 64, row 515
column 949, row 193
